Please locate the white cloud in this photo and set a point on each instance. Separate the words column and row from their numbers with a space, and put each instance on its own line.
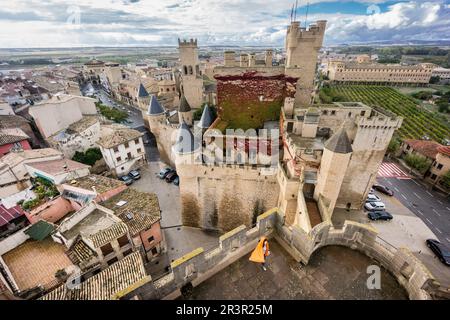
column 30, row 23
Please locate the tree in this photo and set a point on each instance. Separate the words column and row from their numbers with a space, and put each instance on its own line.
column 418, row 162
column 445, row 180
column 435, row 79
column 393, row 146
column 113, row 114
column 89, row 157
column 442, row 105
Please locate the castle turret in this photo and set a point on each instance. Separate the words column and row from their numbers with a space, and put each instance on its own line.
column 192, row 81
column 335, row 160
column 155, row 114
column 186, row 148
column 207, row 118
column 185, row 111
column 143, row 97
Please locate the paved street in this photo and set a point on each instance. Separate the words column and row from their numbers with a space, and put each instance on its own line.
column 332, row 273
column 431, row 207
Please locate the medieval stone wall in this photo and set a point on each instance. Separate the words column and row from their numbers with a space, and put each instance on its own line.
column 222, row 198
column 198, row 265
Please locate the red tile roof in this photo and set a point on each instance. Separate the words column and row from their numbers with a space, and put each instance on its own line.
column 427, row 148
column 6, row 215
column 444, row 150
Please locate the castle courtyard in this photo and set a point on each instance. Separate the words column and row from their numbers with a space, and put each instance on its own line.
column 332, row 273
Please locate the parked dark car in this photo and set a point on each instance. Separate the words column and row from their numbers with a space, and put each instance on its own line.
column 127, row 179
column 441, row 251
column 383, row 189
column 171, row 176
column 164, row 172
column 379, row 215
column 134, row 174
column 176, row 181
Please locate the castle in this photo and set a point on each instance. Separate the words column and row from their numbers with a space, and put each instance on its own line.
column 269, row 145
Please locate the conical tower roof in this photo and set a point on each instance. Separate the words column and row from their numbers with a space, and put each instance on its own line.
column 154, row 108
column 142, row 92
column 207, row 118
column 184, row 105
column 339, row 142
column 185, row 143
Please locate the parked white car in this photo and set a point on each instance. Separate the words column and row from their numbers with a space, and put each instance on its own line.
column 375, row 206
column 373, row 198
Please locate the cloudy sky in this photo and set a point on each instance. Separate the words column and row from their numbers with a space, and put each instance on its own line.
column 69, row 23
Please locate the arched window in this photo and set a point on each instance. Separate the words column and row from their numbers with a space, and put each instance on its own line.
column 185, row 70
column 190, row 70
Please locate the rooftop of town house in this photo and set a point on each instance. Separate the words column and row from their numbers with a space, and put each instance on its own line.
column 444, row 150
column 35, row 263
column 101, row 184
column 84, row 123
column 106, row 284
column 139, row 210
column 12, row 121
column 56, row 167
column 9, row 214
column 14, row 158
column 333, row 272
column 12, row 135
column 81, row 250
column 60, row 98
column 426, row 148
column 119, row 135
column 98, row 226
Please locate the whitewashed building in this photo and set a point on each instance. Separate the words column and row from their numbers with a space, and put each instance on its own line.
column 122, row 148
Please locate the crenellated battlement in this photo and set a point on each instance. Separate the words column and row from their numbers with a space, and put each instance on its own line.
column 191, row 43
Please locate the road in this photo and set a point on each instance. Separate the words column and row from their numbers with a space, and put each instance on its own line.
column 134, row 115
column 430, row 206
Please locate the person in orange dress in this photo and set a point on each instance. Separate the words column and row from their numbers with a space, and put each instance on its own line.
column 261, row 252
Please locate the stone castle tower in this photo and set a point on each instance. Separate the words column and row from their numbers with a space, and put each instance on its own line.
column 192, row 81
column 333, row 167
column 302, row 48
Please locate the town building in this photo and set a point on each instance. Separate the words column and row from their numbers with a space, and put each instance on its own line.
column 78, row 136
column 141, row 213
column 122, row 148
column 109, row 284
column 15, row 121
column 366, row 72
column 14, row 176
column 57, row 171
column 442, row 73
column 14, row 139
column 92, row 70
column 60, row 112
column 439, row 168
